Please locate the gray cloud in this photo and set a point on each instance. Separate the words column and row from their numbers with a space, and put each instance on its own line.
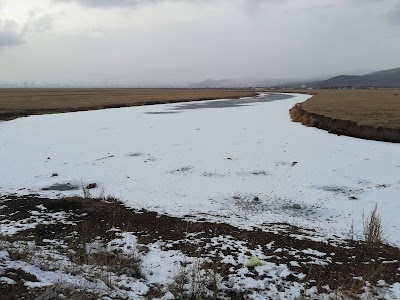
column 36, row 24
column 249, row 4
column 9, row 36
column 114, row 3
column 42, row 24
column 8, row 39
column 191, row 40
column 394, row 14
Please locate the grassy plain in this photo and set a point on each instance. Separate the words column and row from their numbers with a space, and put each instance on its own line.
column 366, row 114
column 16, row 103
column 377, row 108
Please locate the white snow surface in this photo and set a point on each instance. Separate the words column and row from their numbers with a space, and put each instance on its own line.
column 209, row 163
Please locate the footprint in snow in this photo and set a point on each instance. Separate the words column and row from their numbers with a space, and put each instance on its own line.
column 255, row 173
column 210, row 174
column 181, row 170
column 134, row 154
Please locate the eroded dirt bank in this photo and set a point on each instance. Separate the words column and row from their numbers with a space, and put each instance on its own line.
column 366, row 114
column 344, row 127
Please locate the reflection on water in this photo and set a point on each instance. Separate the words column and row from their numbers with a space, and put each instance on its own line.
column 223, row 103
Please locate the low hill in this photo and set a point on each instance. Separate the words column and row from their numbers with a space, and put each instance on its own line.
column 386, row 78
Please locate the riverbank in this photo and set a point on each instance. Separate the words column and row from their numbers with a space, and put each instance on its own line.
column 16, row 103
column 366, row 114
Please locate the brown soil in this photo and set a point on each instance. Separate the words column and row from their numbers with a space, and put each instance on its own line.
column 367, row 114
column 16, row 103
column 348, row 259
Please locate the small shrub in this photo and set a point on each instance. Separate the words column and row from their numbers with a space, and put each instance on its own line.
column 372, row 228
column 112, row 199
column 86, row 192
column 195, row 281
column 351, row 231
column 181, row 278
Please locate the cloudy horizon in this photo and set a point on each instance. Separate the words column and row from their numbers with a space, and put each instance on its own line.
column 173, row 41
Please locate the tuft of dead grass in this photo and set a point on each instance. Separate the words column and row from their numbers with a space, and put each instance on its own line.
column 372, row 228
column 194, row 280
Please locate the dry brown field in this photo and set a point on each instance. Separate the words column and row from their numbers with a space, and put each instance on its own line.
column 366, row 107
column 369, row 114
column 16, row 103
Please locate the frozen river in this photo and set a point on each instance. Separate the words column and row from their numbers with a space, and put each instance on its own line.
column 237, row 161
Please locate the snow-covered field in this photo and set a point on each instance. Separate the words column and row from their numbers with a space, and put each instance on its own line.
column 241, row 162
column 209, row 163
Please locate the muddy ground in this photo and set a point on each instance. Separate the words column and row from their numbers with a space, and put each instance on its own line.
column 347, row 261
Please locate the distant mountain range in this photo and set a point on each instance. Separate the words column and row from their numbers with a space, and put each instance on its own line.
column 386, row 78
column 238, row 83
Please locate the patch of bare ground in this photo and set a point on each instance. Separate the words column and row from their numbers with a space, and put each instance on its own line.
column 346, row 265
column 367, row 114
column 15, row 103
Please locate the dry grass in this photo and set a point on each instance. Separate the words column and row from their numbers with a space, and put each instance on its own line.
column 16, row 103
column 372, row 228
column 194, row 280
column 378, row 108
column 367, row 114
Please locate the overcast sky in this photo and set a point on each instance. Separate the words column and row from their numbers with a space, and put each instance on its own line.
column 183, row 40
